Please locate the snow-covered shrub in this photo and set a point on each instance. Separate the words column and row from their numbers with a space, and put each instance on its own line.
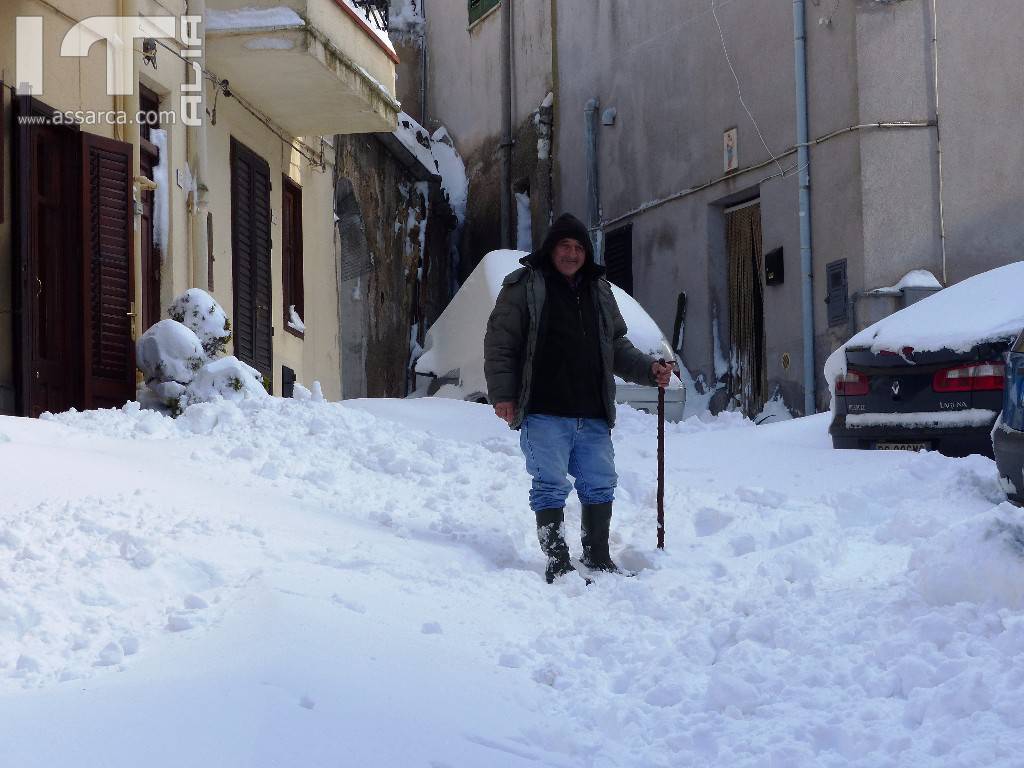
column 179, row 358
column 169, row 352
column 227, row 378
column 199, row 311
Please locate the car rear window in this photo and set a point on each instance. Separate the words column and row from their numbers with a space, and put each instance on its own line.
column 1018, row 345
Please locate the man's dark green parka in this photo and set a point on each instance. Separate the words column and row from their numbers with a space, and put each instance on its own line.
column 511, row 340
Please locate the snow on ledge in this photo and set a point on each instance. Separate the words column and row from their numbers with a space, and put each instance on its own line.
column 252, row 18
column 916, row 278
column 972, row 417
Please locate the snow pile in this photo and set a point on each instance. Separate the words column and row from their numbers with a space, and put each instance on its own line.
column 774, row 410
column 980, row 309
column 454, row 344
column 980, row 561
column 195, row 575
column 178, row 358
column 916, row 278
column 453, row 172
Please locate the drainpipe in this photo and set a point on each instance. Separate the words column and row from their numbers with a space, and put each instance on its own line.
column 593, row 182
column 195, row 140
column 938, row 141
column 804, row 164
column 506, row 124
column 423, row 65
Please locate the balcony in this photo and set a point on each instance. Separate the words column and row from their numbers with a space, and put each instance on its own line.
column 314, row 67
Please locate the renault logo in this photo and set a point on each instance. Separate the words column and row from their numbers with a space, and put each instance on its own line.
column 895, row 387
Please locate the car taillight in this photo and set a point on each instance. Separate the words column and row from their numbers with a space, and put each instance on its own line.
column 973, row 377
column 853, row 383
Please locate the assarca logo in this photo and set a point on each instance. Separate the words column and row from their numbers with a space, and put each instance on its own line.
column 120, row 34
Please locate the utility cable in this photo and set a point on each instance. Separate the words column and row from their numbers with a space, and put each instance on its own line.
column 891, row 125
column 739, row 89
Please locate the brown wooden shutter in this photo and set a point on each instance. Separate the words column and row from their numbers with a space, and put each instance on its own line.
column 250, row 245
column 108, row 238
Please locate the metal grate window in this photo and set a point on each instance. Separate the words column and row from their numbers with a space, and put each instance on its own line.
column 836, row 299
column 479, row 8
column 618, row 257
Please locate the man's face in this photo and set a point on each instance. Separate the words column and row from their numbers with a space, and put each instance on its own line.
column 568, row 256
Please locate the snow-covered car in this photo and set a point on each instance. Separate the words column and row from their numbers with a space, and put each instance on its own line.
column 1008, row 434
column 453, row 356
column 931, row 376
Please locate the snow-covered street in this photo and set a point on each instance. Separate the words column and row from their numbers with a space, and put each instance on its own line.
column 301, row 583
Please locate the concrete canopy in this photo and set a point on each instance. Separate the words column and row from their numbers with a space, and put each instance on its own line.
column 309, row 65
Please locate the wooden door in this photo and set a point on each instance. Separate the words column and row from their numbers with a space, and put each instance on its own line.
column 250, row 247
column 108, row 283
column 748, row 367
column 47, row 301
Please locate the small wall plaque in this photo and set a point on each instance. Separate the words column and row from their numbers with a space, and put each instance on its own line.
column 730, row 150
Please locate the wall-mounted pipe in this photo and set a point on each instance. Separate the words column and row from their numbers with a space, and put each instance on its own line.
column 506, row 124
column 938, row 141
column 423, row 65
column 593, row 179
column 195, row 140
column 804, row 166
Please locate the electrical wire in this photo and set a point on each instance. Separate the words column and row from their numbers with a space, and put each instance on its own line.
column 739, row 89
column 783, row 172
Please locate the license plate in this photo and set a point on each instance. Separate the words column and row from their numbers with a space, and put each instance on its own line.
column 902, row 446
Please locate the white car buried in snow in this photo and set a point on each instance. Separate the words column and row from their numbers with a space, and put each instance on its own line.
column 454, row 347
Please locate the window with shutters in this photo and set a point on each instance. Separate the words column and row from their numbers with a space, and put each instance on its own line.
column 108, row 240
column 618, row 257
column 291, row 257
column 480, row 8
column 250, row 264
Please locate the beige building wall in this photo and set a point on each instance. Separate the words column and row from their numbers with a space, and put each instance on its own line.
column 72, row 84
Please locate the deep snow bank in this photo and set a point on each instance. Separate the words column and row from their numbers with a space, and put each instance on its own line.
column 287, row 582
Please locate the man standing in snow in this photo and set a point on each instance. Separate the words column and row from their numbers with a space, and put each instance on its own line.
column 554, row 340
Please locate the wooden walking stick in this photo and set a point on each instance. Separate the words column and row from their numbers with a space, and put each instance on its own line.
column 661, row 466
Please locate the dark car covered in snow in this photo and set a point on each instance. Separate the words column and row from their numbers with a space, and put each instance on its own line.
column 931, row 376
column 1008, row 435
column 941, row 400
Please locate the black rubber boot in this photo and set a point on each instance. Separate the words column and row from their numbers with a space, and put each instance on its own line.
column 552, row 543
column 596, row 522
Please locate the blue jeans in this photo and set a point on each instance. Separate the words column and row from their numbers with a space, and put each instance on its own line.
column 557, row 445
